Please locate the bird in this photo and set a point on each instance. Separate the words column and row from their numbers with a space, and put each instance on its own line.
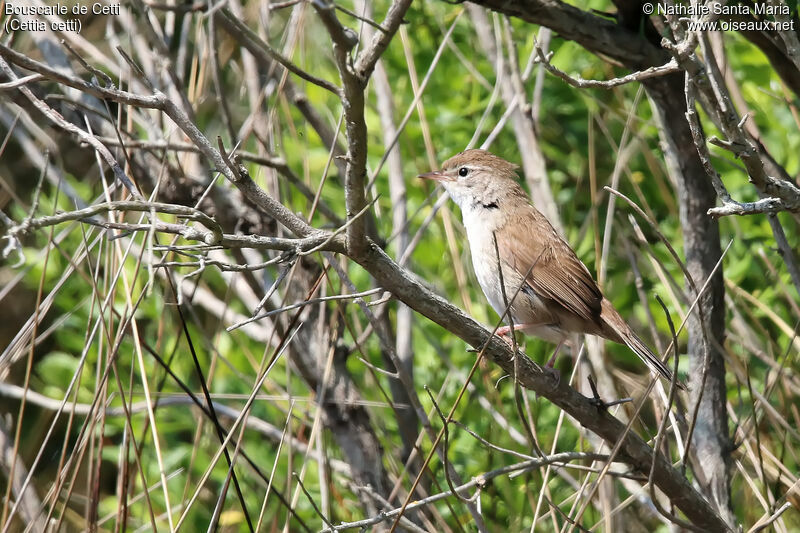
column 548, row 291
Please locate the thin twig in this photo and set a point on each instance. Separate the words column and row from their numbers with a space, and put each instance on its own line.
column 478, row 481
column 580, row 83
column 303, row 304
column 19, row 82
column 445, row 450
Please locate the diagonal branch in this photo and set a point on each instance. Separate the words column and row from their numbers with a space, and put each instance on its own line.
column 84, row 136
column 633, row 449
column 596, row 34
column 160, row 101
column 369, row 57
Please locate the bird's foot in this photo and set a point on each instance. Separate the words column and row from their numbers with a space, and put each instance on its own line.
column 551, row 363
column 503, row 331
column 554, row 373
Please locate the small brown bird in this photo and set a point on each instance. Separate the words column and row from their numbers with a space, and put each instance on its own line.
column 555, row 293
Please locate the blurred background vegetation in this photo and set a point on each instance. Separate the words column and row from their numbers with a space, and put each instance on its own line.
column 99, row 459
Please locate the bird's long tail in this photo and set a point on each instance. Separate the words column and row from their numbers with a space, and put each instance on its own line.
column 625, row 335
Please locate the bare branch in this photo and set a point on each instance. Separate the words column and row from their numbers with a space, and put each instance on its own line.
column 580, row 83
column 762, row 206
column 317, row 241
column 789, row 37
column 171, row 209
column 159, row 101
column 87, row 137
column 19, row 82
column 344, row 39
column 367, row 59
column 718, row 103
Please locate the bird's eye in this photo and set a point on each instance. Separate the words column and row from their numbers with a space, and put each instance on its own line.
column 463, row 171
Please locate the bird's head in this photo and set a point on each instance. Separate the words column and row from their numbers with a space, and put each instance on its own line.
column 475, row 177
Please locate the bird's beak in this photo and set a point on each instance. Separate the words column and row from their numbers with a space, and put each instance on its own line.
column 438, row 175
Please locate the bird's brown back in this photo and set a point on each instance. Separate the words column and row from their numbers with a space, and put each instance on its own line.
column 529, row 241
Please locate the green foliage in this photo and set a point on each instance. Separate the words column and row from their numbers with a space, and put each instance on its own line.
column 453, row 104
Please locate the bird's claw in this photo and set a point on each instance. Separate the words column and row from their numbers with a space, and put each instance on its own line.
column 554, row 373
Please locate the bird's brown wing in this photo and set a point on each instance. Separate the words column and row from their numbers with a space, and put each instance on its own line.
column 557, row 273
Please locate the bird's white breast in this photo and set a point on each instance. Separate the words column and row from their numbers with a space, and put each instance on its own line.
column 480, row 227
column 527, row 308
